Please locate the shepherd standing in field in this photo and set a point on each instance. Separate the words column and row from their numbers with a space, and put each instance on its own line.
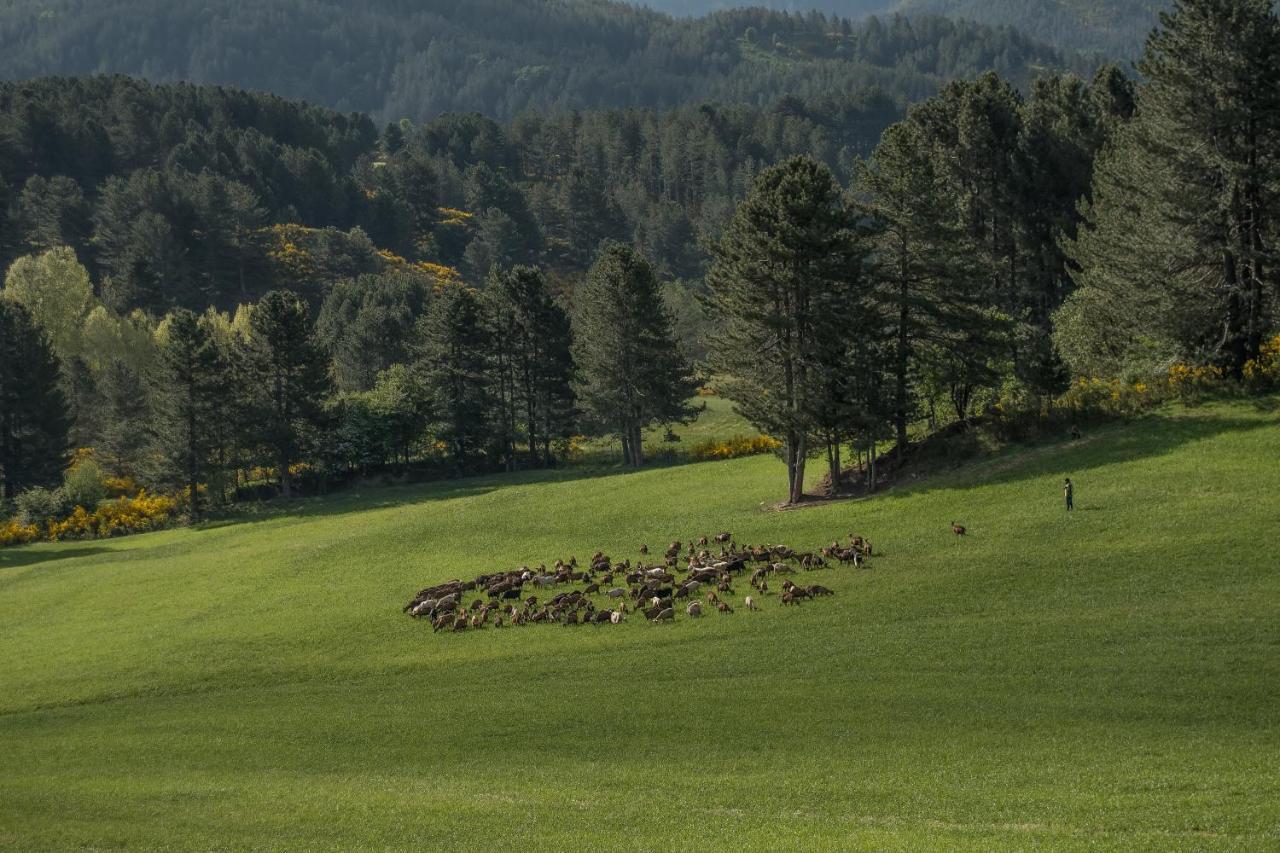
column 1067, row 491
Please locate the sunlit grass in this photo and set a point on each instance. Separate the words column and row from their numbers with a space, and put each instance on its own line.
column 1108, row 678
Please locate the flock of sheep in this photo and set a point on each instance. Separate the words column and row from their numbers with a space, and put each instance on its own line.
column 527, row 596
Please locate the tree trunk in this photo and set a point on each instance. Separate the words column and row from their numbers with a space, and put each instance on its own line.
column 637, row 446
column 797, row 451
column 901, row 356
column 871, row 454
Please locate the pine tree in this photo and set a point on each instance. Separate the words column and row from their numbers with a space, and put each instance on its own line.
column 453, row 369
column 289, row 371
column 34, row 421
column 190, row 378
column 783, row 300
column 532, row 358
column 1179, row 254
column 123, row 411
column 631, row 373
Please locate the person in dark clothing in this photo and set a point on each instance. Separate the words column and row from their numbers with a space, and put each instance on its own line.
column 1068, row 490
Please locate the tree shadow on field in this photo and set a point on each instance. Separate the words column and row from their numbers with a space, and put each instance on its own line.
column 376, row 497
column 32, row 555
column 1148, row 437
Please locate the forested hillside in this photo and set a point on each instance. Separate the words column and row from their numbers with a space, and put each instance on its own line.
column 395, row 59
column 196, row 196
column 1114, row 28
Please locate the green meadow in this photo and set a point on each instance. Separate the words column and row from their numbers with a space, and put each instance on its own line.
column 1104, row 679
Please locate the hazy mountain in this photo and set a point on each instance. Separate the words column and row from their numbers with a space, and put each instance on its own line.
column 1113, row 27
column 420, row 58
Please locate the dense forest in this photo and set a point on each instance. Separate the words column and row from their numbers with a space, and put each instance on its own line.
column 397, row 59
column 214, row 290
column 1114, row 28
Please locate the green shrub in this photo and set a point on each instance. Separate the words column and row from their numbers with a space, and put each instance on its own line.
column 39, row 506
column 84, row 485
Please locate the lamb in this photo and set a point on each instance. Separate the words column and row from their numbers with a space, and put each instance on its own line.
column 751, row 603
column 958, row 529
column 694, row 609
column 723, row 607
column 616, row 617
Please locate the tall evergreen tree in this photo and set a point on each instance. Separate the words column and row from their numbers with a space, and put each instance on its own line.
column 1178, row 258
column 190, row 378
column 290, row 372
column 631, row 372
column 532, row 357
column 783, row 299
column 34, row 420
column 123, row 405
column 453, row 370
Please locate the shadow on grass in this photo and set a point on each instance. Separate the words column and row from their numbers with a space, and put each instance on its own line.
column 17, row 558
column 1150, row 436
column 382, row 496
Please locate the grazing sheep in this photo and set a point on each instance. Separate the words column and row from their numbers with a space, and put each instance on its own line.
column 751, row 603
column 694, row 609
column 665, row 615
column 789, row 598
column 616, row 617
column 644, row 549
column 958, row 529
column 616, row 592
column 591, row 588
column 497, row 622
column 723, row 607
column 818, row 589
column 722, row 538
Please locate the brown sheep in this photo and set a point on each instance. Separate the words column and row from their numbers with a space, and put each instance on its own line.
column 958, row 529
column 723, row 607
column 694, row 609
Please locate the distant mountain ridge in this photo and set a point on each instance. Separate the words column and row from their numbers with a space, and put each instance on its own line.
column 1115, row 28
column 419, row 58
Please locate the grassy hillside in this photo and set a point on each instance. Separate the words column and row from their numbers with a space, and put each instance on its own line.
column 1105, row 679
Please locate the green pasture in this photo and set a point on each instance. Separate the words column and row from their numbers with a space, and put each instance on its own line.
column 1104, row 679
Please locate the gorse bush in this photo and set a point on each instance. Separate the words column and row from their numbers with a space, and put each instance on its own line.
column 1116, row 397
column 17, row 533
column 116, row 518
column 733, row 447
column 1263, row 373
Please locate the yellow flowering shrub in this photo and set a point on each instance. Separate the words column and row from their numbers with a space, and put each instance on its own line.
column 13, row 533
column 1263, row 372
column 1107, row 396
column 1186, row 380
column 115, row 518
column 734, row 447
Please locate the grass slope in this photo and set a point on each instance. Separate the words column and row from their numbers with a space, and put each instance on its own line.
column 1107, row 679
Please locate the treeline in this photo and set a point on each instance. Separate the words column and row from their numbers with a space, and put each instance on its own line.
column 400, row 369
column 185, row 196
column 394, row 59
